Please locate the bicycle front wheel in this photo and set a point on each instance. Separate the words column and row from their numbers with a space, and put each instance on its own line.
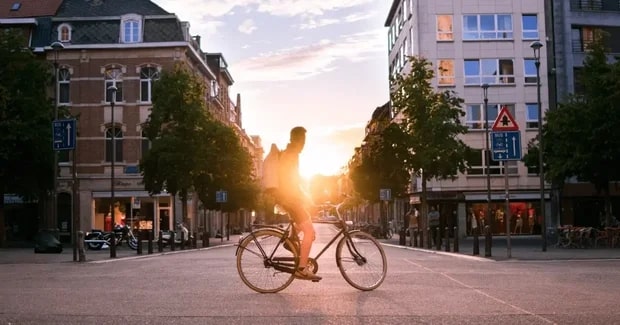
column 263, row 263
column 361, row 260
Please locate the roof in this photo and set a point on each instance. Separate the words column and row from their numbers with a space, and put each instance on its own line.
column 390, row 17
column 99, row 8
column 29, row 8
column 382, row 112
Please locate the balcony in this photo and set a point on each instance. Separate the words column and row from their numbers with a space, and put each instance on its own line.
column 595, row 5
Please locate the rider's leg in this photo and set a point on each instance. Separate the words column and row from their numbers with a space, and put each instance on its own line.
column 303, row 221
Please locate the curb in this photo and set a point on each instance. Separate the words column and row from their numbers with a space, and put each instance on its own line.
column 129, row 258
column 428, row 251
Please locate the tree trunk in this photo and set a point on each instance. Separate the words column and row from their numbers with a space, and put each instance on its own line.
column 423, row 206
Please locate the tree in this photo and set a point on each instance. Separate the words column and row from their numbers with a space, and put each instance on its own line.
column 225, row 164
column 430, row 121
column 582, row 136
column 26, row 156
column 177, row 117
column 382, row 165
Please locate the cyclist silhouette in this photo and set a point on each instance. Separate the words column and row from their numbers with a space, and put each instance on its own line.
column 295, row 200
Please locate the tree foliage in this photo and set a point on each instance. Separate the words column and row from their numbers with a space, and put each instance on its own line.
column 382, row 165
column 191, row 151
column 582, row 137
column 431, row 123
column 26, row 113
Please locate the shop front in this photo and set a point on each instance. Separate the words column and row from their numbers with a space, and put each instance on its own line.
column 523, row 208
column 133, row 208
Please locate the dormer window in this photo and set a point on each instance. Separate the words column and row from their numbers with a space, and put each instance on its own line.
column 64, row 33
column 131, row 29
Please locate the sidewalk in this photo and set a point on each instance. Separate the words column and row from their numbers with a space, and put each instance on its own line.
column 523, row 248
column 27, row 255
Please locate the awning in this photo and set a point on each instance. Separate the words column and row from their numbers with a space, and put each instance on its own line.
column 495, row 196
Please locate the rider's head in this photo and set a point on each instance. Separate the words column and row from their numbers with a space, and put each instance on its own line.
column 298, row 137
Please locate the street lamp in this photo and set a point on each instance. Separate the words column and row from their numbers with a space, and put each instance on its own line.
column 487, row 156
column 536, row 46
column 56, row 47
column 113, row 89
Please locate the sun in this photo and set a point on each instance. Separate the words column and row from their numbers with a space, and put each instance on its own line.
column 322, row 159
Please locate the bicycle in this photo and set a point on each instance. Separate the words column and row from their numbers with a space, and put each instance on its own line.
column 266, row 266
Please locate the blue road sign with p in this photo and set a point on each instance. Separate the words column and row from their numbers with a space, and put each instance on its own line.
column 221, row 196
column 385, row 194
column 64, row 134
column 506, row 145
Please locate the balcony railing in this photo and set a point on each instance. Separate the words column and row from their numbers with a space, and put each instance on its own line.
column 595, row 5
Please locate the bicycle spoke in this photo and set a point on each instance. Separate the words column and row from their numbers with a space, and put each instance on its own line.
column 361, row 261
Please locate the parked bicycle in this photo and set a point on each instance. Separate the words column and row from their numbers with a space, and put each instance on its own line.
column 266, row 266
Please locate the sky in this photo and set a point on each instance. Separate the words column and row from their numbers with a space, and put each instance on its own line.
column 321, row 64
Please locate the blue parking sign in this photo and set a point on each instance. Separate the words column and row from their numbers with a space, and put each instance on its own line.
column 65, row 134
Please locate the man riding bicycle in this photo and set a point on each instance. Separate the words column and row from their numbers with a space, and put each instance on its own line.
column 290, row 196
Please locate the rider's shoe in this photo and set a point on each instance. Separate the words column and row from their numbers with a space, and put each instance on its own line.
column 306, row 274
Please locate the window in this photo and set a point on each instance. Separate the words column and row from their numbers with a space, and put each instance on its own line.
column 64, row 33
column 131, row 31
column 113, row 77
column 531, row 116
column 145, row 144
column 444, row 28
column 118, row 140
column 582, row 37
column 64, row 79
column 529, row 71
column 530, row 26
column 215, row 89
column 445, row 72
column 477, row 163
column 475, row 115
column 131, row 28
column 147, row 76
column 482, row 27
column 491, row 71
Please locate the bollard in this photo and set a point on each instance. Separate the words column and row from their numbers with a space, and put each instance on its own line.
column 80, row 243
column 447, row 230
column 476, row 242
column 414, row 238
column 160, row 242
column 195, row 241
column 205, row 239
column 150, row 242
column 487, row 241
column 182, row 240
column 139, row 238
column 456, row 240
column 207, row 235
column 429, row 241
column 437, row 236
column 402, row 237
column 172, row 244
column 420, row 239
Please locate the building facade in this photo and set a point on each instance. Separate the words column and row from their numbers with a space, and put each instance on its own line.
column 471, row 44
column 574, row 24
column 125, row 44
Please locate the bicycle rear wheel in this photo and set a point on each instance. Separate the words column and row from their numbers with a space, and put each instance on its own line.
column 361, row 260
column 263, row 263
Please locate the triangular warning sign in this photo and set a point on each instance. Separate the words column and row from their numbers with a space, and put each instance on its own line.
column 505, row 121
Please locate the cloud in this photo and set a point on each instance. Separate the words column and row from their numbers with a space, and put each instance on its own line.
column 316, row 23
column 358, row 16
column 247, row 26
column 302, row 62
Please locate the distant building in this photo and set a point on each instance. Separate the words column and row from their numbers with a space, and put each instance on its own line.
column 126, row 44
column 470, row 44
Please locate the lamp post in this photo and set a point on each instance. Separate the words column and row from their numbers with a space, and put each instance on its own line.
column 536, row 46
column 56, row 47
column 113, row 89
column 487, row 156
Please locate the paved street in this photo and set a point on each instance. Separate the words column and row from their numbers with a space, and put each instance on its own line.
column 202, row 287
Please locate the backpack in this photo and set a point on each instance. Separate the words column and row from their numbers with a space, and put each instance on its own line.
column 271, row 165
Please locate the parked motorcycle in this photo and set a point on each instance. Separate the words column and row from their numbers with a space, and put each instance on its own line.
column 95, row 239
column 180, row 229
